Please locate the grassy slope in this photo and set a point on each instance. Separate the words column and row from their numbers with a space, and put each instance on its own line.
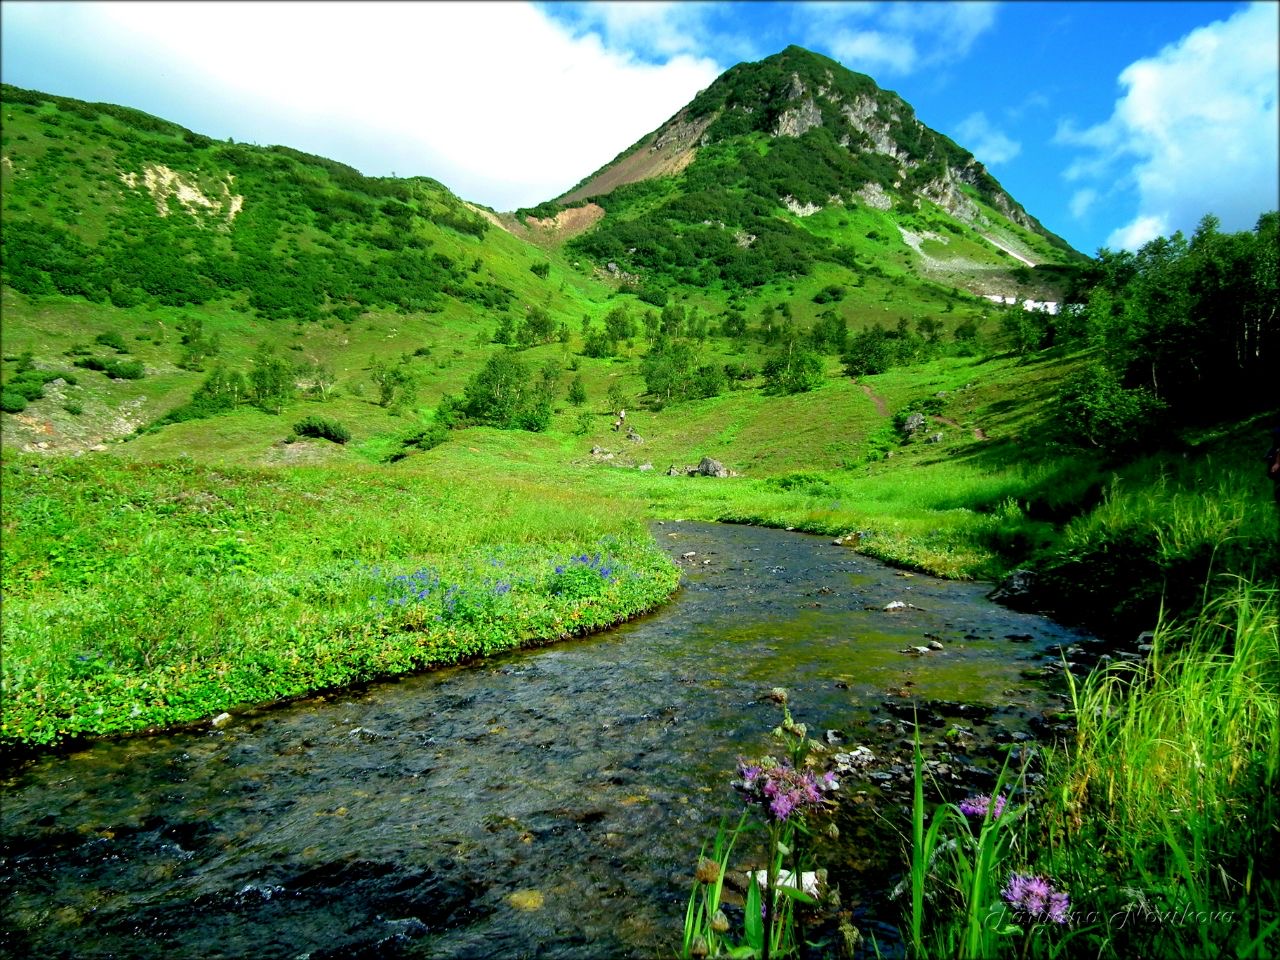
column 992, row 491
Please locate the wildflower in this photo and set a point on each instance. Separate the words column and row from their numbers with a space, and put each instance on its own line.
column 708, row 871
column 979, row 805
column 1033, row 896
column 780, row 789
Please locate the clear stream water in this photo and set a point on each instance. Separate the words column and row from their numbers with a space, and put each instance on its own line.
column 548, row 803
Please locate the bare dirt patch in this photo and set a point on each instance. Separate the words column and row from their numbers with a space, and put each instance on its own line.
column 665, row 152
column 882, row 408
column 568, row 223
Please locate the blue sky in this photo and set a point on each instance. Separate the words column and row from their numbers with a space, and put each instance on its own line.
column 1111, row 122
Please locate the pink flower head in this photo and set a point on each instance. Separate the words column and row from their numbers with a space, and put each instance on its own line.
column 1034, row 897
column 780, row 789
column 979, row 805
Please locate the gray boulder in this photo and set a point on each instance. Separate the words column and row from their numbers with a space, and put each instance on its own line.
column 710, row 468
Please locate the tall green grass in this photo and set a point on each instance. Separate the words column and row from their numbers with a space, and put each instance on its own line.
column 1170, row 790
column 1160, row 819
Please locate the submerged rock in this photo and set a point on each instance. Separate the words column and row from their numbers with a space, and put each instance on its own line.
column 1018, row 590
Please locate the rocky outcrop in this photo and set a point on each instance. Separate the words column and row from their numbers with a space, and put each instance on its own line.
column 794, row 121
column 874, row 196
column 864, row 116
column 798, row 208
column 707, row 467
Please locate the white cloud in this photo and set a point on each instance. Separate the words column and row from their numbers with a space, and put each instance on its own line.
column 872, row 52
column 1140, row 231
column 1196, row 130
column 650, row 28
column 495, row 100
column 1082, row 201
column 894, row 38
column 988, row 144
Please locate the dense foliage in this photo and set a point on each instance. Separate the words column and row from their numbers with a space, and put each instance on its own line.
column 1185, row 331
column 313, row 238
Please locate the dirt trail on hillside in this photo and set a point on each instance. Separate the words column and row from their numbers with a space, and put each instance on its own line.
column 978, row 432
column 882, row 408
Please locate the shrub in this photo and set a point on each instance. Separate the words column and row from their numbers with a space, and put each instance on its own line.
column 28, row 388
column 797, row 371
column 322, row 429
column 113, row 340
column 1096, row 410
column 116, row 369
column 869, row 352
column 12, row 402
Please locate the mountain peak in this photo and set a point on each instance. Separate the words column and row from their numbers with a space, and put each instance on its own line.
column 856, row 137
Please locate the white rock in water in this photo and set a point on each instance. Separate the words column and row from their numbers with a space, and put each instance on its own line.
column 808, row 880
column 895, row 605
column 221, row 720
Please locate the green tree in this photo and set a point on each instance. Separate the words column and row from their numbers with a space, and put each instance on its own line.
column 1095, row 409
column 830, row 333
column 577, row 391
column 197, row 347
column 794, row 370
column 538, row 327
column 320, row 379
column 869, row 352
column 618, row 324
column 271, row 381
column 502, row 394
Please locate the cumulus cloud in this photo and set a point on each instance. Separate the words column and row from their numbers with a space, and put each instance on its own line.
column 1195, row 132
column 657, row 29
column 988, row 144
column 1138, row 232
column 510, row 120
column 894, row 38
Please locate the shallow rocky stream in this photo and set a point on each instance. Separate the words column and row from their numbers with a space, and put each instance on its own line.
column 546, row 803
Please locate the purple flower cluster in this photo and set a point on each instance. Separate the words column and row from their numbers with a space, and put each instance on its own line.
column 780, row 789
column 979, row 805
column 410, row 587
column 1034, row 897
column 597, row 563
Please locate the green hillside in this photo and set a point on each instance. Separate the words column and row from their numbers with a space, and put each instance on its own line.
column 271, row 427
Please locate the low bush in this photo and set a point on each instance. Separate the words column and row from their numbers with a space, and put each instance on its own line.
column 116, row 369
column 112, row 340
column 322, row 429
